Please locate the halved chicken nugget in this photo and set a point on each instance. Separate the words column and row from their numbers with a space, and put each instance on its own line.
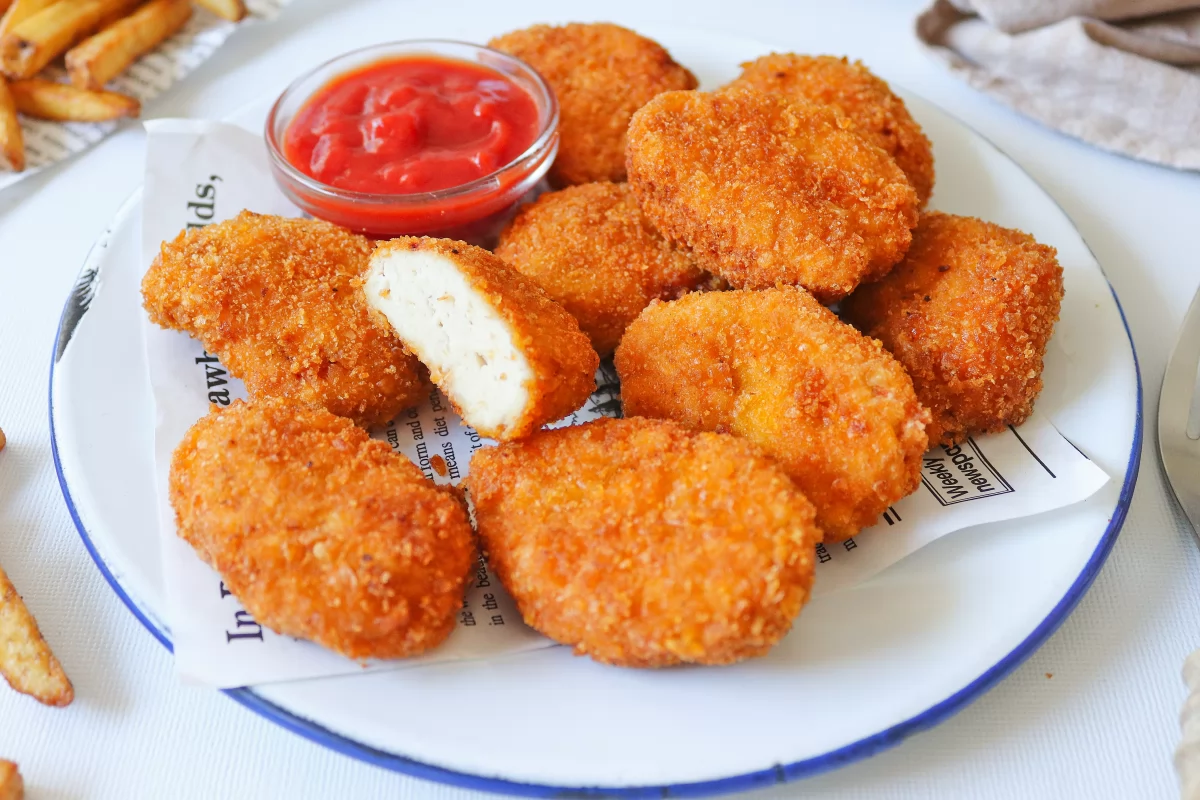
column 508, row 357
column 878, row 114
column 968, row 313
column 321, row 532
column 279, row 301
column 601, row 73
column 831, row 405
column 592, row 250
column 768, row 190
column 643, row 544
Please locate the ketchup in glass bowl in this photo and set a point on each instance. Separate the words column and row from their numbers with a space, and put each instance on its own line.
column 425, row 137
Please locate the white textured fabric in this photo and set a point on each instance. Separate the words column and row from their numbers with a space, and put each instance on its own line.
column 1187, row 755
column 1105, row 725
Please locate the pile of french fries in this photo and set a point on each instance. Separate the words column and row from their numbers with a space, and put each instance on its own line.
column 98, row 40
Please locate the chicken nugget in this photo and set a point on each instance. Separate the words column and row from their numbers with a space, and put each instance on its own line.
column 968, row 314
column 321, row 532
column 643, row 544
column 831, row 405
column 507, row 357
column 592, row 250
column 878, row 115
column 767, row 190
column 280, row 302
column 601, row 73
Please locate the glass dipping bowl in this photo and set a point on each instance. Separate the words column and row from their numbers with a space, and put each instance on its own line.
column 473, row 212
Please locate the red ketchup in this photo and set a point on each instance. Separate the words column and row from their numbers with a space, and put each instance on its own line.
column 414, row 124
column 392, row 130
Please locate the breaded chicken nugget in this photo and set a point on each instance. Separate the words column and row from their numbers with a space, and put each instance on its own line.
column 878, row 115
column 643, row 544
column 321, row 532
column 591, row 249
column 508, row 357
column 601, row 74
column 279, row 302
column 777, row 367
column 767, row 190
column 968, row 313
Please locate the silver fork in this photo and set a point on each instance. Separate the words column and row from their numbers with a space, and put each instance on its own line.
column 1179, row 448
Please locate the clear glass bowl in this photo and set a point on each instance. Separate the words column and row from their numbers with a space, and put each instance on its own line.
column 473, row 212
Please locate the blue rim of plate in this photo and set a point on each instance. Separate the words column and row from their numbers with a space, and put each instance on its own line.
column 76, row 306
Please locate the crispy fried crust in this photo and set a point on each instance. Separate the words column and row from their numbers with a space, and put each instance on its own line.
column 12, row 785
column 592, row 250
column 643, row 544
column 563, row 361
column 878, row 115
column 767, row 190
column 601, row 74
column 321, row 532
column 26, row 660
column 777, row 367
column 280, row 302
column 968, row 313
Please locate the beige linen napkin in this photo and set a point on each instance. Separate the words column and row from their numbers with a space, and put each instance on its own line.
column 1123, row 75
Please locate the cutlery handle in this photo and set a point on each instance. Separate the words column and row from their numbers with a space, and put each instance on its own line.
column 1187, row 755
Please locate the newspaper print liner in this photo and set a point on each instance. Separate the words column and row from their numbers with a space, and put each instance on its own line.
column 1008, row 475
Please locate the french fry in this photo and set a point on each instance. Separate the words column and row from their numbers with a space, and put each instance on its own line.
column 21, row 10
column 232, row 10
column 62, row 102
column 12, row 145
column 35, row 42
column 26, row 661
column 12, row 785
column 99, row 59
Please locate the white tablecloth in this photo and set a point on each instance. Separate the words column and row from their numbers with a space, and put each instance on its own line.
column 1092, row 714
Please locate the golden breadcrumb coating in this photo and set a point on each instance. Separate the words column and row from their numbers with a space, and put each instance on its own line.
column 968, row 313
column 561, row 357
column 878, row 115
column 592, row 250
column 601, row 74
column 643, row 544
column 279, row 301
column 767, row 190
column 321, row 532
column 777, row 367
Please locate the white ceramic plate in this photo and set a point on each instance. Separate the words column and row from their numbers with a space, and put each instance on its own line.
column 864, row 669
